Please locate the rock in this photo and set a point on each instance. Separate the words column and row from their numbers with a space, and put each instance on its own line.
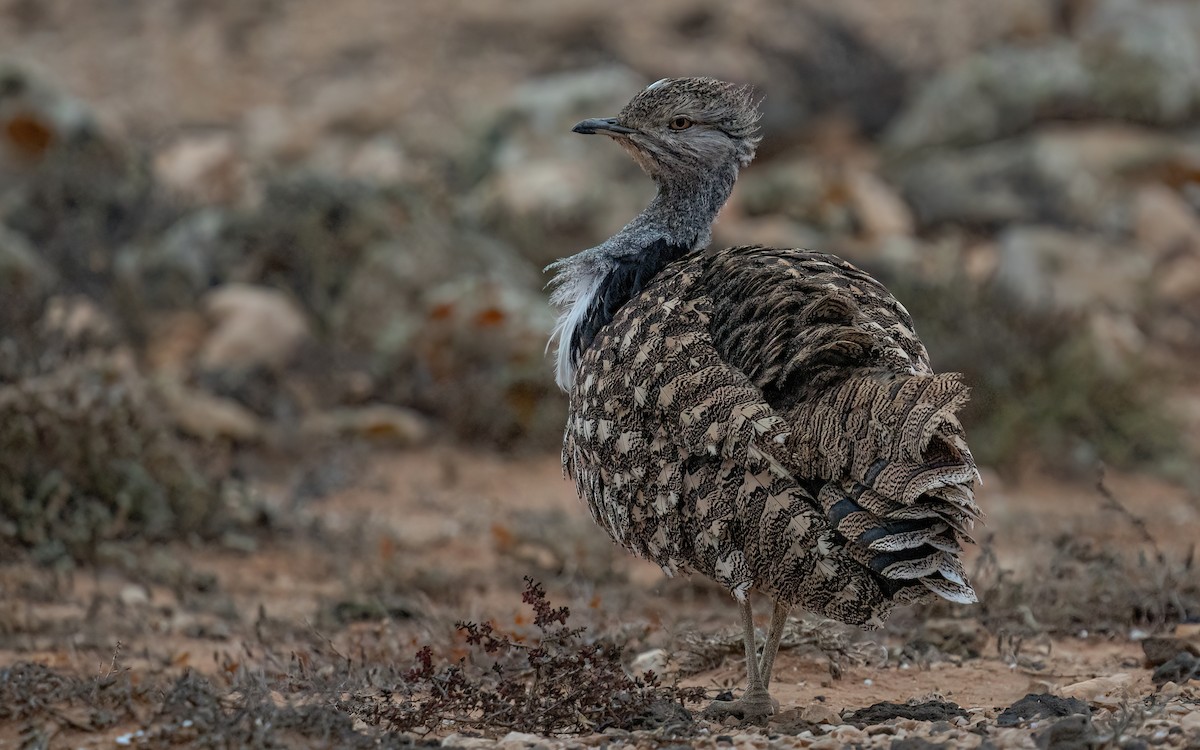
column 1160, row 650
column 1067, row 176
column 457, row 740
column 36, row 117
column 655, row 660
column 253, row 327
column 66, row 185
column 206, row 416
column 376, row 422
column 521, row 739
column 1169, row 230
column 171, row 271
column 204, row 168
column 1041, row 706
column 1070, row 733
column 134, row 596
column 25, row 279
column 933, row 710
column 381, row 160
column 78, row 319
column 821, row 713
column 309, row 236
column 879, row 210
column 1049, row 269
column 1133, row 61
column 1108, row 690
column 1191, row 722
column 987, row 96
column 1179, row 669
column 1164, row 223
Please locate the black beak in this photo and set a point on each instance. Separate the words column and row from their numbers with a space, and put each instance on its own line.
column 607, row 125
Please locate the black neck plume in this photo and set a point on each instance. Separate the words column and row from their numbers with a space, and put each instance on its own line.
column 628, row 278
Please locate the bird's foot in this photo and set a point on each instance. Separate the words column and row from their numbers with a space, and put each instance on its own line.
column 756, row 707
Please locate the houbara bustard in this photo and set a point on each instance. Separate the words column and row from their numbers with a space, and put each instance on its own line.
column 764, row 416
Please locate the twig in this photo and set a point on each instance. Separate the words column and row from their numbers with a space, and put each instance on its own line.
column 1112, row 503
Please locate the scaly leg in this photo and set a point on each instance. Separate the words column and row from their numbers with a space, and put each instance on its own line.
column 779, row 618
column 756, row 704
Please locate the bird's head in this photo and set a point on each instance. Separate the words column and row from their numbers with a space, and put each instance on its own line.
column 685, row 127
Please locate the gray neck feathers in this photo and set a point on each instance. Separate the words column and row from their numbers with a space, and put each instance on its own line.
column 681, row 214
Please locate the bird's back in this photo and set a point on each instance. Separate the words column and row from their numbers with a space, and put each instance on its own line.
column 769, row 418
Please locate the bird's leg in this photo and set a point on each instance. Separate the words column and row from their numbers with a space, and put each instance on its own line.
column 756, row 704
column 779, row 617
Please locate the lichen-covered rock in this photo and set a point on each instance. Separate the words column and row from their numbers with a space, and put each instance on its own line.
column 35, row 118
column 76, row 194
column 308, row 236
column 172, row 270
column 1071, row 177
column 1052, row 270
column 1131, row 61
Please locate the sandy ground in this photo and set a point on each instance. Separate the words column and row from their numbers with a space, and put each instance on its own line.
column 445, row 534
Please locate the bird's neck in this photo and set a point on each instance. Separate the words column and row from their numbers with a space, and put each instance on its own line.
column 683, row 210
column 594, row 284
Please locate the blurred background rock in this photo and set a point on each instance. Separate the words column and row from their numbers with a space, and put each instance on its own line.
column 263, row 227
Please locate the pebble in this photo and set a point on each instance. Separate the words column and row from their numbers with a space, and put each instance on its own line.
column 134, row 595
column 458, row 740
column 820, row 713
column 1100, row 689
column 655, row 660
column 520, row 739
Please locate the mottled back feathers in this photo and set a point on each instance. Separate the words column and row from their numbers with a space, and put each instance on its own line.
column 768, row 417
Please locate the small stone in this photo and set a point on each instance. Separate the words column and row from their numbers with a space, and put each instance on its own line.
column 205, row 168
column 1160, row 650
column 820, row 713
column 1104, row 690
column 880, row 211
column 457, row 740
column 1164, row 222
column 655, row 660
column 134, row 596
column 254, row 326
column 1188, row 631
column 1179, row 669
column 520, row 739
column 206, row 416
column 848, row 735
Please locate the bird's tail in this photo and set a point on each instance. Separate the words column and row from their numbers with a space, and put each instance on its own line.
column 899, row 479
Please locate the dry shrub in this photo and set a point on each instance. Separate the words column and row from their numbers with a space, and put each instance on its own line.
column 1084, row 586
column 85, row 458
column 562, row 682
column 1040, row 385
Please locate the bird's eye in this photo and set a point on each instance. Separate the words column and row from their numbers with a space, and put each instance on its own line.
column 680, row 123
